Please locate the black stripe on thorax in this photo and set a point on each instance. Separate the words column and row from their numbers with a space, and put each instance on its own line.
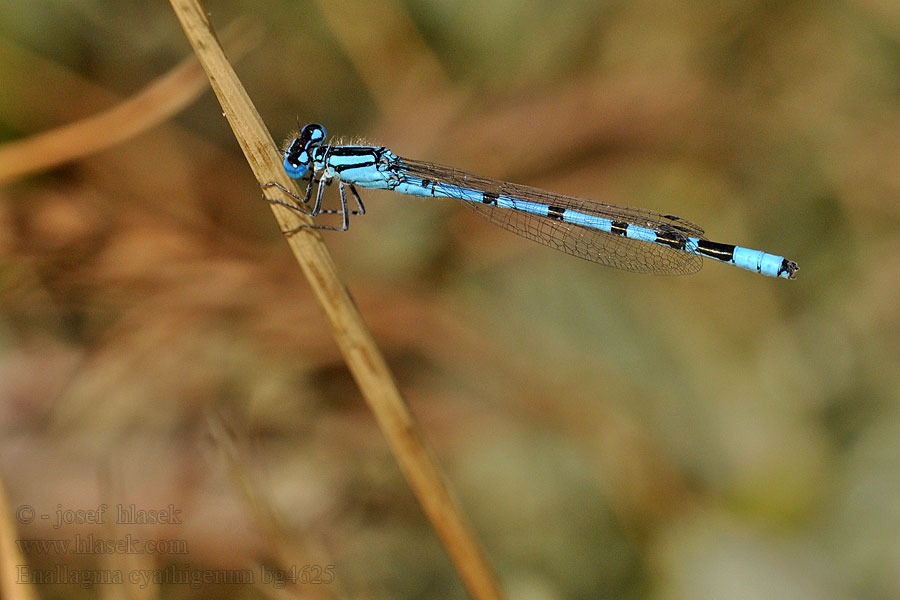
column 344, row 167
column 323, row 153
column 353, row 151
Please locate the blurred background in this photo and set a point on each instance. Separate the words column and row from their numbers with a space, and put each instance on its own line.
column 609, row 435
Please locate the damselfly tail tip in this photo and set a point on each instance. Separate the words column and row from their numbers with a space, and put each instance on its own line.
column 788, row 269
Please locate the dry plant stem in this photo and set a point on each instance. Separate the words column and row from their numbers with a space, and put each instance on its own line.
column 352, row 336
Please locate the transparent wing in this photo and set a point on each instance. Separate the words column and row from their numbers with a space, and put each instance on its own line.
column 584, row 242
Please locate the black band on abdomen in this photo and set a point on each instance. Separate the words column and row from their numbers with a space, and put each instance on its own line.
column 723, row 252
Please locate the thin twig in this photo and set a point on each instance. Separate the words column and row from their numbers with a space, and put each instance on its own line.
column 362, row 356
column 154, row 104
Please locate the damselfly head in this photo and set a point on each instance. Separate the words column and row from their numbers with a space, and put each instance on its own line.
column 312, row 134
column 299, row 150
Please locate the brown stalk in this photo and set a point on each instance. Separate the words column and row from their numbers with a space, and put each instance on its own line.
column 362, row 356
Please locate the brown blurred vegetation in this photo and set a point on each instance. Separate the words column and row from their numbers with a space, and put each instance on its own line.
column 610, row 435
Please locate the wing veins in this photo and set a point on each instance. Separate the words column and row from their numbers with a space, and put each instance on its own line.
column 584, row 242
